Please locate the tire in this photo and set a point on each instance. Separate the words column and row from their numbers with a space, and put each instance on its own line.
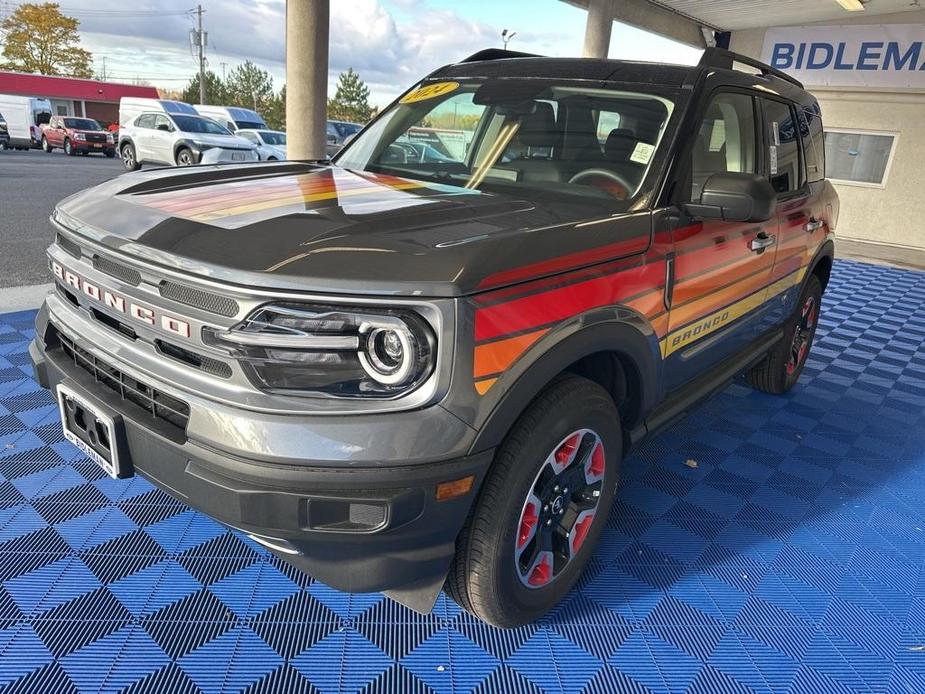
column 499, row 572
column 185, row 157
column 110, row 154
column 779, row 371
column 129, row 160
column 45, row 146
column 68, row 148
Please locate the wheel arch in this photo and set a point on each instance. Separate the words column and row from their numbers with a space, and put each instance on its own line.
column 616, row 348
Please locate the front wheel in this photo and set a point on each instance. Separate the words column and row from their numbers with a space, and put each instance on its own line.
column 129, row 160
column 45, row 145
column 780, row 370
column 69, row 148
column 542, row 506
column 185, row 157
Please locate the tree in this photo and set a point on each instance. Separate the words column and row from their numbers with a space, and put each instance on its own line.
column 250, row 87
column 351, row 100
column 275, row 115
column 41, row 39
column 216, row 93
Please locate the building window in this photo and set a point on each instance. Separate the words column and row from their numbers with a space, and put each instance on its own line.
column 859, row 157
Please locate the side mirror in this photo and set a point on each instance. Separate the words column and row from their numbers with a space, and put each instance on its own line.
column 735, row 197
column 164, row 127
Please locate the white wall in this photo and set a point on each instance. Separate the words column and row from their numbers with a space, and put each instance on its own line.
column 888, row 215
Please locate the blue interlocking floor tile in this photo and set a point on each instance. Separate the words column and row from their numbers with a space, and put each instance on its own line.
column 762, row 544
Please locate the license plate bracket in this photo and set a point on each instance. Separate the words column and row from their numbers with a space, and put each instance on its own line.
column 96, row 432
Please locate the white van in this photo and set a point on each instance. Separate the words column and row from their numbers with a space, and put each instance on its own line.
column 233, row 117
column 131, row 107
column 24, row 117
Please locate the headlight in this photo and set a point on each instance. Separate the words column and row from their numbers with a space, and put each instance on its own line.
column 109, row 137
column 332, row 351
column 80, row 136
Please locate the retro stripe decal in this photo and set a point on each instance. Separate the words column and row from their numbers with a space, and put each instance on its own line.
column 238, row 202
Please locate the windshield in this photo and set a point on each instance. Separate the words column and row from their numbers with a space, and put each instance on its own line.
column 532, row 137
column 249, row 124
column 81, row 124
column 346, row 129
column 271, row 137
column 197, row 124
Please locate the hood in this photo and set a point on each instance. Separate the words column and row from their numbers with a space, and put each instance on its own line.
column 325, row 229
column 220, row 140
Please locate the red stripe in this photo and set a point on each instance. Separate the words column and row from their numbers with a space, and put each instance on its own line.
column 557, row 304
column 572, row 261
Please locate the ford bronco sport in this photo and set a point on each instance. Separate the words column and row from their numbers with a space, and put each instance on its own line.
column 418, row 367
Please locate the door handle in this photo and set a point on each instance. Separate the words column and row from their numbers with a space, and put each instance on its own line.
column 762, row 241
column 813, row 224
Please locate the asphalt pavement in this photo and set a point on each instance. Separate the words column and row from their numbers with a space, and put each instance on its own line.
column 31, row 184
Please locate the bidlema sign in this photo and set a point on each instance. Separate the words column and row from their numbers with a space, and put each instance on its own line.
column 872, row 55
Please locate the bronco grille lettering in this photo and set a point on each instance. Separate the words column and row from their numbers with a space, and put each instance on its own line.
column 139, row 312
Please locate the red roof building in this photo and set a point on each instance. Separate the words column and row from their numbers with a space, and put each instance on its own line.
column 70, row 96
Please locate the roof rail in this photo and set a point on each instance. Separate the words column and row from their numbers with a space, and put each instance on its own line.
column 721, row 58
column 497, row 54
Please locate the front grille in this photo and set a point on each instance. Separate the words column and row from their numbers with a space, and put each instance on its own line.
column 68, row 245
column 96, row 137
column 207, row 301
column 117, row 270
column 157, row 404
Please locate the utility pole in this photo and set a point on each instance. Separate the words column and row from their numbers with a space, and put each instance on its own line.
column 223, row 64
column 201, row 43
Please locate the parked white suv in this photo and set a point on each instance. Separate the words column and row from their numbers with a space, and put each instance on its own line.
column 271, row 144
column 180, row 139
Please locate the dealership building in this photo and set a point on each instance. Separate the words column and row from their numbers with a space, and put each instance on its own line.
column 864, row 61
column 74, row 97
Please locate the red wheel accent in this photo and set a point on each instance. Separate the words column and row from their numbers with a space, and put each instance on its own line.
column 596, row 466
column 527, row 524
column 541, row 573
column 565, row 452
column 580, row 532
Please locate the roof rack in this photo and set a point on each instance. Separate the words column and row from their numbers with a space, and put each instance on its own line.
column 497, row 54
column 721, row 58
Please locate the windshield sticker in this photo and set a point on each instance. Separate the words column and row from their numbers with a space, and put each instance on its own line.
column 642, row 153
column 773, row 161
column 429, row 91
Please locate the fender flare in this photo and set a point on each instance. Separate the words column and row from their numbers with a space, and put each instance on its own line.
column 127, row 139
column 826, row 251
column 616, row 329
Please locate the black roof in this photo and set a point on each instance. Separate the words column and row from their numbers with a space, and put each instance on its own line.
column 495, row 62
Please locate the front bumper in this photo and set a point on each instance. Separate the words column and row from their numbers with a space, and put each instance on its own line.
column 91, row 147
column 372, row 526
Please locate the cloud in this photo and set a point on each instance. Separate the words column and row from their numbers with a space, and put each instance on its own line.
column 390, row 48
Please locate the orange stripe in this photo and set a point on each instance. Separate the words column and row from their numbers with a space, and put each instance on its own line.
column 482, row 387
column 495, row 357
column 683, row 314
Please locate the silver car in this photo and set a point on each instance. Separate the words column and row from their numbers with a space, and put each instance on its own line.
column 181, row 140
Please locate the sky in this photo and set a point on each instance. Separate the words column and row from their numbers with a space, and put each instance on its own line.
column 391, row 43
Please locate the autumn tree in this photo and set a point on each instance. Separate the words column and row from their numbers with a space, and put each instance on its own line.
column 351, row 100
column 38, row 38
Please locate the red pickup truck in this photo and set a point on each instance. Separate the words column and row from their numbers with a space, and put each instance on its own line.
column 77, row 135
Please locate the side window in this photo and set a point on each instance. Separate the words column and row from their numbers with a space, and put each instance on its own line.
column 725, row 141
column 813, row 142
column 145, row 121
column 783, row 150
column 161, row 123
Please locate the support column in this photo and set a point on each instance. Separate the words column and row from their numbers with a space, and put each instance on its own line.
column 307, row 26
column 598, row 29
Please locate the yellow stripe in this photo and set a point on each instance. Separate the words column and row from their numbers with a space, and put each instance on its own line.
column 720, row 319
column 298, row 199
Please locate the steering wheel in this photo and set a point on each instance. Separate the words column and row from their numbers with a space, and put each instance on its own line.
column 605, row 180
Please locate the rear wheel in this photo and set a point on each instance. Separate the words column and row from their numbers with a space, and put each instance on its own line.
column 542, row 507
column 129, row 161
column 781, row 369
